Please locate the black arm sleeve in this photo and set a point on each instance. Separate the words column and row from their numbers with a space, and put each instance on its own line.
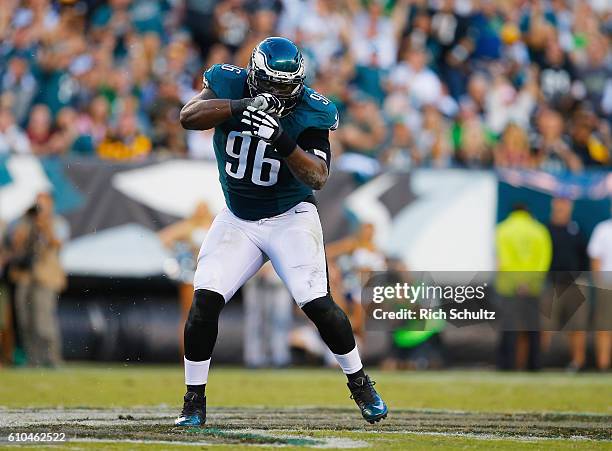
column 316, row 142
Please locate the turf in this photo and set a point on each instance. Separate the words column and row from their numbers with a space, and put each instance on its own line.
column 101, row 406
column 140, row 385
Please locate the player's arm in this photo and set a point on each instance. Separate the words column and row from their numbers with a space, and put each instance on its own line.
column 307, row 167
column 205, row 110
column 309, row 162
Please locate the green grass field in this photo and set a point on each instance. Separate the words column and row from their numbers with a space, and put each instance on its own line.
column 132, row 407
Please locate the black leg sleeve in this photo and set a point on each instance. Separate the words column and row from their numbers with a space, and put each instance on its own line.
column 202, row 325
column 333, row 324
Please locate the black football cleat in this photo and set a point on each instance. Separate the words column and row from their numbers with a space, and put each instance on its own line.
column 194, row 410
column 373, row 408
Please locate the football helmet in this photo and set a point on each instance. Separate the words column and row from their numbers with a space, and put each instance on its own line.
column 277, row 67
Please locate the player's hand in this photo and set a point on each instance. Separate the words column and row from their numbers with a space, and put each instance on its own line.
column 261, row 125
column 268, row 128
column 268, row 104
column 261, row 102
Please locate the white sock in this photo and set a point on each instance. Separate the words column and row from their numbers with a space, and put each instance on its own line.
column 196, row 373
column 350, row 362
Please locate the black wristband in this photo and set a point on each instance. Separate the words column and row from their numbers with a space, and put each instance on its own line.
column 284, row 144
column 237, row 107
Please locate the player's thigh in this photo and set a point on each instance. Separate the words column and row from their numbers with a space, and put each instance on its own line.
column 296, row 250
column 227, row 259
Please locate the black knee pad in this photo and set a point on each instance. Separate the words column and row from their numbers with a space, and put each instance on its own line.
column 333, row 324
column 202, row 325
column 206, row 306
column 323, row 309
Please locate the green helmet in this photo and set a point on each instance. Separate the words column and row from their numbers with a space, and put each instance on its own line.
column 277, row 67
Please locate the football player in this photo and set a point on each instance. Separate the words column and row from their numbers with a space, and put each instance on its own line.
column 271, row 143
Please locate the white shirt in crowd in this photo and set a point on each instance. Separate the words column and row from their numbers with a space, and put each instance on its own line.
column 423, row 86
column 13, row 140
column 600, row 244
column 382, row 44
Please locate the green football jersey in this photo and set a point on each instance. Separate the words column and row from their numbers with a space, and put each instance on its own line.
column 257, row 183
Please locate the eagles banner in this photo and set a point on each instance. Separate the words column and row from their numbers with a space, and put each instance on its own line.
column 115, row 210
column 432, row 219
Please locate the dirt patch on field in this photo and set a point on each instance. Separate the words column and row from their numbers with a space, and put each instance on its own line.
column 260, row 426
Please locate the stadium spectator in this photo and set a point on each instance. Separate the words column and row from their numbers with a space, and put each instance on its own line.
column 524, row 252
column 551, row 151
column 569, row 310
column 267, row 320
column 600, row 252
column 401, row 152
column 167, row 135
column 66, row 134
column 127, row 142
column 92, row 125
column 199, row 19
column 13, row 140
column 60, row 39
column 557, row 77
column 596, row 73
column 39, row 277
column 231, row 23
column 513, row 149
column 432, row 138
column 507, row 105
column 477, row 90
column 362, row 136
column 452, row 43
column 20, row 83
column 263, row 24
column 471, row 139
column 412, row 76
column 484, row 31
column 320, row 28
column 374, row 35
column 587, row 142
column 40, row 131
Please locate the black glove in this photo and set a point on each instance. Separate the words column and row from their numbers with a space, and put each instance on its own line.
column 262, row 102
column 267, row 128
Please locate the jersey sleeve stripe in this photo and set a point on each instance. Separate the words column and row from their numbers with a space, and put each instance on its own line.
column 320, row 154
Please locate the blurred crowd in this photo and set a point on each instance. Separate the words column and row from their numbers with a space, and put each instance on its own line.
column 438, row 83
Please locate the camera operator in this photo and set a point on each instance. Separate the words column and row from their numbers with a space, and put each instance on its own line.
column 39, row 278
